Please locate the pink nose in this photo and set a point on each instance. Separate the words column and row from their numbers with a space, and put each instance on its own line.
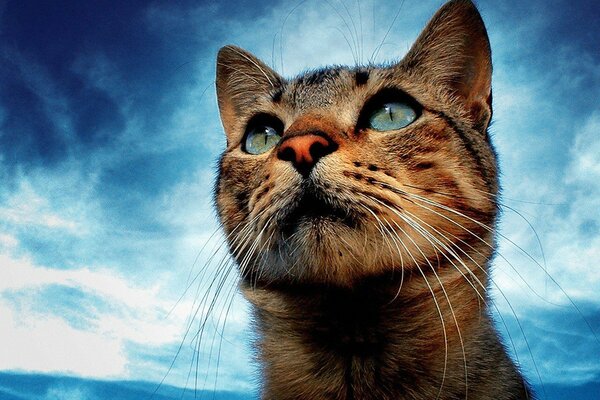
column 304, row 151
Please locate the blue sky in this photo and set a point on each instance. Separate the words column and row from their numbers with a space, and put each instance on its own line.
column 109, row 133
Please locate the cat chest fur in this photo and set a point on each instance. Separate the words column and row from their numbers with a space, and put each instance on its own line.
column 368, row 343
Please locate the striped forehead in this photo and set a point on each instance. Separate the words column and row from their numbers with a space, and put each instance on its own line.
column 321, row 88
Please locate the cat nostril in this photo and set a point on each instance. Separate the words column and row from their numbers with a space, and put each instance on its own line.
column 318, row 150
column 286, row 154
column 304, row 151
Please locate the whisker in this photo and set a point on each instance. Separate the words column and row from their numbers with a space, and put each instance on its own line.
column 526, row 254
column 281, row 41
column 503, row 295
column 357, row 44
column 398, row 249
column 361, row 46
column 354, row 54
column 419, row 229
column 223, row 270
column 242, row 266
column 494, row 304
column 485, row 242
column 436, row 305
column 496, row 195
column 378, row 48
column 495, row 198
column 190, row 283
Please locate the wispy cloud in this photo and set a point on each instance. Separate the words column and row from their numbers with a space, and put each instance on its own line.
column 96, row 323
column 548, row 147
column 26, row 208
column 31, row 333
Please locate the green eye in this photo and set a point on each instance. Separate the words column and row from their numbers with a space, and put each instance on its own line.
column 391, row 116
column 261, row 139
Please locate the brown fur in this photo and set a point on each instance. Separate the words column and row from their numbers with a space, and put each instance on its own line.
column 369, row 305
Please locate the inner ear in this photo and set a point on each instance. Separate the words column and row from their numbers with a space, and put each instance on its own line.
column 453, row 52
column 241, row 79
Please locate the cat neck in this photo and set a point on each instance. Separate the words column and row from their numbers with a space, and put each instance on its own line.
column 374, row 341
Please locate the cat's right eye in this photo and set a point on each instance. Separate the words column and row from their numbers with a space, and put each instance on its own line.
column 261, row 139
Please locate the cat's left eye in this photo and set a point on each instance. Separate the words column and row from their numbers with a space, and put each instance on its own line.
column 391, row 116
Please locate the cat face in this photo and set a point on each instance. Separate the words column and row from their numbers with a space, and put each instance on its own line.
column 342, row 172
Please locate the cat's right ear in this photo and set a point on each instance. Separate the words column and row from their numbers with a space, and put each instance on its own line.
column 241, row 80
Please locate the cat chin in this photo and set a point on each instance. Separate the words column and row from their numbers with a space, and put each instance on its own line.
column 326, row 251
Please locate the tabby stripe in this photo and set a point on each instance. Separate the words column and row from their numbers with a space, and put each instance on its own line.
column 276, row 96
column 361, row 77
column 469, row 146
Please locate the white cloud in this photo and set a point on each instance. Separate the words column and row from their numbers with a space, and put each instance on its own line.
column 37, row 342
column 36, row 339
column 569, row 248
column 8, row 241
column 20, row 274
column 585, row 168
column 27, row 208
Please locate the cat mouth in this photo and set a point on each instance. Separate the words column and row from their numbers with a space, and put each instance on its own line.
column 314, row 208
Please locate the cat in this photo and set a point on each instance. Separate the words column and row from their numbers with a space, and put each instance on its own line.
column 359, row 204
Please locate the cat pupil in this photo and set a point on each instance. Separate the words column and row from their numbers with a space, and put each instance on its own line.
column 392, row 116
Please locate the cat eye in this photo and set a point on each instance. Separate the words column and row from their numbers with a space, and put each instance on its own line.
column 391, row 116
column 262, row 134
column 261, row 139
column 388, row 110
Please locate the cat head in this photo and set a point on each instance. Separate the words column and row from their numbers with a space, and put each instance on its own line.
column 347, row 172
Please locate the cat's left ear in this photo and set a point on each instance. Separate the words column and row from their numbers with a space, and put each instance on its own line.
column 241, row 80
column 453, row 52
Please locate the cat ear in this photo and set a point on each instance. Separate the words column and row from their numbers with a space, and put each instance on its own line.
column 454, row 51
column 241, row 79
